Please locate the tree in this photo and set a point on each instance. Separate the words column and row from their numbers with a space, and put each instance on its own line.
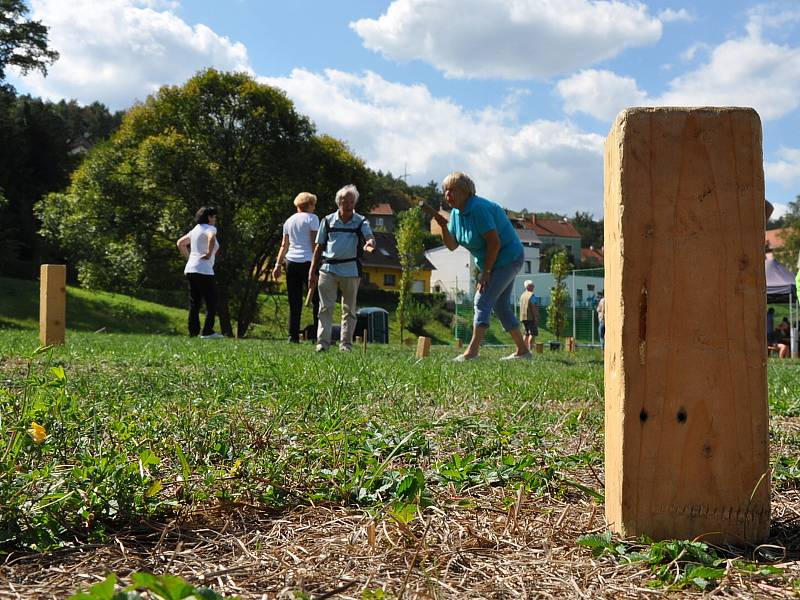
column 37, row 157
column 789, row 254
column 546, row 254
column 556, row 319
column 591, row 231
column 410, row 237
column 220, row 139
column 23, row 43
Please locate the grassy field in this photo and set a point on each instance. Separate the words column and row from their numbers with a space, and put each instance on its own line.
column 259, row 467
column 117, row 313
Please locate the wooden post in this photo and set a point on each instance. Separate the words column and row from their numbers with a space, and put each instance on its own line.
column 686, row 444
column 539, row 347
column 459, row 344
column 366, row 337
column 570, row 344
column 52, row 304
column 423, row 346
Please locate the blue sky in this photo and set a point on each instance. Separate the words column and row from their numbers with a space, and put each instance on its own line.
column 519, row 93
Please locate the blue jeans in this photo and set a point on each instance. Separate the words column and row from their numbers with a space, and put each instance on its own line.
column 601, row 329
column 497, row 295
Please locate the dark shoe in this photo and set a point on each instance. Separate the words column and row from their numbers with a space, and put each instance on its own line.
column 294, row 340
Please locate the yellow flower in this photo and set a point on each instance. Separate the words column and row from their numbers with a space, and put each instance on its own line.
column 38, row 433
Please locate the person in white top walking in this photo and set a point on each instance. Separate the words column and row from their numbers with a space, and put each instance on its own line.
column 299, row 233
column 200, row 247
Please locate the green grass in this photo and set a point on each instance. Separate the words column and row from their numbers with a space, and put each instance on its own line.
column 89, row 310
column 146, row 426
column 141, row 425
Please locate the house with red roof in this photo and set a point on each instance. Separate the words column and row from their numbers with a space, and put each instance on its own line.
column 556, row 232
column 382, row 218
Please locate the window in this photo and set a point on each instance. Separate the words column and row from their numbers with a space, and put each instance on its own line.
column 527, row 266
column 388, row 279
column 378, row 221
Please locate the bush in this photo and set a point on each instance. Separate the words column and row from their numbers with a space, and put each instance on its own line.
column 418, row 315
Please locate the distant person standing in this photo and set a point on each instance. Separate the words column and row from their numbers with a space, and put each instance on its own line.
column 529, row 313
column 336, row 266
column 297, row 248
column 601, row 319
column 200, row 247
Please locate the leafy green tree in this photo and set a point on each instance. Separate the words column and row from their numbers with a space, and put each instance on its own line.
column 790, row 253
column 591, row 231
column 220, row 139
column 37, row 156
column 410, row 238
column 23, row 43
column 556, row 317
column 546, row 254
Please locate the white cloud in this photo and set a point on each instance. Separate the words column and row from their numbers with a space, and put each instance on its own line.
column 540, row 165
column 745, row 71
column 601, row 94
column 669, row 15
column 118, row 50
column 505, row 39
column 691, row 51
column 786, row 169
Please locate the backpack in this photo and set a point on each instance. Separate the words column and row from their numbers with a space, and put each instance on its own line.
column 352, row 230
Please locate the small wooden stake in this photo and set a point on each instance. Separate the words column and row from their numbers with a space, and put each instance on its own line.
column 52, row 304
column 459, row 343
column 366, row 337
column 423, row 346
column 539, row 347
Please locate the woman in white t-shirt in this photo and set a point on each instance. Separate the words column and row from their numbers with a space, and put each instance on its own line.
column 200, row 247
column 299, row 233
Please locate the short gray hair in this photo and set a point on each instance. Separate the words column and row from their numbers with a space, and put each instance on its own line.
column 460, row 180
column 349, row 189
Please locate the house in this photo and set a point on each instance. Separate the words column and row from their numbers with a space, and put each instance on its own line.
column 381, row 268
column 592, row 255
column 773, row 239
column 556, row 232
column 530, row 245
column 382, row 218
column 453, row 272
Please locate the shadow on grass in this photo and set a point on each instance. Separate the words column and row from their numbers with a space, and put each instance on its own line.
column 117, row 316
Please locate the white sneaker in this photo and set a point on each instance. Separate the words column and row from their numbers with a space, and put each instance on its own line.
column 464, row 358
column 345, row 348
column 320, row 348
column 212, row 336
column 515, row 356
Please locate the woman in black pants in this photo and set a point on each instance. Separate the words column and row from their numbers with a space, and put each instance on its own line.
column 200, row 247
column 299, row 233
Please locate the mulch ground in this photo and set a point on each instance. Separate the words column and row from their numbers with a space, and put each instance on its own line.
column 527, row 550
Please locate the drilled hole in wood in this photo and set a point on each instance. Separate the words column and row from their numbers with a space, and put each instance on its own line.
column 682, row 415
column 643, row 416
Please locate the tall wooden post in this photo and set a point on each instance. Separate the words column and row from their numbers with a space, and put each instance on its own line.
column 687, row 450
column 52, row 304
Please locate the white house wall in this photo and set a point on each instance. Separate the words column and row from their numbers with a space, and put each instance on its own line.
column 452, row 271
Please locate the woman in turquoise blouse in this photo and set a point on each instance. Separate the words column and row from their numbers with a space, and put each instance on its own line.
column 483, row 228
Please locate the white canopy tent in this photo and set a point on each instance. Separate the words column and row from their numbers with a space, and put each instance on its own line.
column 781, row 288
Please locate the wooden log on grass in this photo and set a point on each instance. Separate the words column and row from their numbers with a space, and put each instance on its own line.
column 423, row 346
column 686, row 444
column 52, row 304
column 539, row 347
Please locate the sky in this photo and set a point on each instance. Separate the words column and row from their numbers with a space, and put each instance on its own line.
column 520, row 94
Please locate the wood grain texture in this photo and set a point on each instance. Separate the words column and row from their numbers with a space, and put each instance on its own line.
column 52, row 304
column 687, row 450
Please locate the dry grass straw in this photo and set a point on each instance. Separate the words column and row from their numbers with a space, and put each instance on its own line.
column 488, row 551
